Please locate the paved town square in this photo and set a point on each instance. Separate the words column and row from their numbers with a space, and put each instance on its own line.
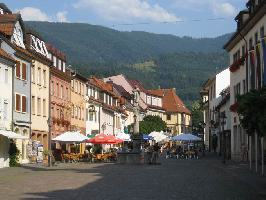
column 206, row 178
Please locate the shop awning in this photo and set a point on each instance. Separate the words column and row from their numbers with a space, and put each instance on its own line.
column 12, row 135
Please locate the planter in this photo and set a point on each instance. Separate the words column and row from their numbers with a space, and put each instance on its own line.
column 233, row 108
column 236, row 65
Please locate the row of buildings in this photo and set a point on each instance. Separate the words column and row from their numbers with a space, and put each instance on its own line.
column 247, row 51
column 42, row 97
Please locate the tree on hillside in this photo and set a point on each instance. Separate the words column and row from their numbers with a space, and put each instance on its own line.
column 152, row 123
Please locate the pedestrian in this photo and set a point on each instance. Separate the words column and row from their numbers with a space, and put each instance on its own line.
column 155, row 153
column 167, row 152
column 149, row 150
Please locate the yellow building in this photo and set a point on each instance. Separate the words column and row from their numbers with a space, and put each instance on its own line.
column 40, row 70
column 78, row 118
column 176, row 115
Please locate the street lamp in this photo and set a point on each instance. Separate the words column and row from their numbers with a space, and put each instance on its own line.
column 104, row 127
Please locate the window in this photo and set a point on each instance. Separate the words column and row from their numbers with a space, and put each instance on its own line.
column 61, row 92
column 57, row 89
column 64, row 67
column 44, row 77
column 24, row 104
column 250, row 44
column 52, row 111
column 79, row 88
column 72, row 111
column 44, row 107
column 67, row 93
column 18, row 69
column 243, row 51
column 5, row 114
column 39, row 106
column 256, row 38
column 6, row 76
column 168, row 117
column 33, row 105
column 59, row 64
column 91, row 116
column 52, row 88
column 262, row 32
column 18, row 102
column 72, row 84
column 24, row 71
column 39, row 76
column 54, row 60
column 244, row 86
column 33, row 74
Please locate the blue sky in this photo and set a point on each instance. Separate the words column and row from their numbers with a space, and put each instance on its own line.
column 179, row 14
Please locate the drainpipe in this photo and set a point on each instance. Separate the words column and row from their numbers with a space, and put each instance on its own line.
column 49, row 121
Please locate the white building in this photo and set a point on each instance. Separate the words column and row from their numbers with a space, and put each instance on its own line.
column 7, row 64
column 246, row 64
column 211, row 96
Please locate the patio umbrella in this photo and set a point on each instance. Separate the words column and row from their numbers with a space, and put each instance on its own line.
column 104, row 139
column 186, row 137
column 71, row 137
column 159, row 136
column 147, row 137
column 123, row 136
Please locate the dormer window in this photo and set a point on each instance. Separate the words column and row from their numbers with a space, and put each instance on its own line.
column 1, row 11
column 18, row 37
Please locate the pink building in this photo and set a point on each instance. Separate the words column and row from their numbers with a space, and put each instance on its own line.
column 60, row 104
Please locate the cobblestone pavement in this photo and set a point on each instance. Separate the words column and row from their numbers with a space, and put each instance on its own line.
column 199, row 179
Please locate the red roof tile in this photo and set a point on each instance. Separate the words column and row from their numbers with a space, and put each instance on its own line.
column 158, row 93
column 172, row 103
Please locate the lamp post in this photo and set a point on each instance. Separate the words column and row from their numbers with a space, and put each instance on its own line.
column 103, row 127
column 49, row 122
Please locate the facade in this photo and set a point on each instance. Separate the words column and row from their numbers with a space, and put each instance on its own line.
column 177, row 116
column 224, row 123
column 40, row 73
column 60, row 95
column 14, row 44
column 211, row 97
column 245, row 49
column 7, row 64
column 103, row 108
column 78, row 104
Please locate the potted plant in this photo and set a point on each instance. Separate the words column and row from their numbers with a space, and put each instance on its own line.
column 46, row 154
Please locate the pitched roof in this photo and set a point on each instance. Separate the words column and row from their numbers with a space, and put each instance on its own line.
column 137, row 84
column 158, row 92
column 7, row 23
column 172, row 103
column 122, row 91
column 5, row 55
column 106, row 87
column 55, row 51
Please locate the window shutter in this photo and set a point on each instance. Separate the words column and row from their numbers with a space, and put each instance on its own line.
column 24, row 71
column 17, row 102
column 18, row 69
column 24, row 104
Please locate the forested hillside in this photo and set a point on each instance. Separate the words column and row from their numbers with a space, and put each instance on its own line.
column 155, row 59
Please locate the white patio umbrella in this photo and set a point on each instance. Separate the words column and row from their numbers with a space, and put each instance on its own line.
column 158, row 136
column 186, row 137
column 123, row 136
column 12, row 135
column 68, row 137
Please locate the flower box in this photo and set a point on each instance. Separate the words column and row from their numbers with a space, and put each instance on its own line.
column 236, row 65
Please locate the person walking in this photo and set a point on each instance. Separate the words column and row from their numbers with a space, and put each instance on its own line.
column 155, row 153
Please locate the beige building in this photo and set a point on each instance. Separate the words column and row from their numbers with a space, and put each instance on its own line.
column 246, row 65
column 40, row 72
column 78, row 118
column 176, row 115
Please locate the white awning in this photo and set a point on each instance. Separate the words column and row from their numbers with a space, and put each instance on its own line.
column 71, row 137
column 12, row 135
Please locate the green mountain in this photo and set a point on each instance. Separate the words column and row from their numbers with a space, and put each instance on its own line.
column 155, row 59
